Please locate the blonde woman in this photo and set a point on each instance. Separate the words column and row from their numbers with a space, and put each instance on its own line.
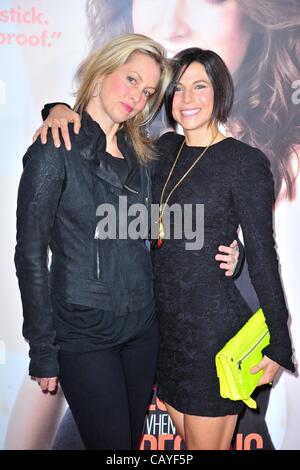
column 90, row 322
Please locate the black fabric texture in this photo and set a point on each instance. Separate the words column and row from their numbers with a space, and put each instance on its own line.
column 199, row 308
column 58, row 197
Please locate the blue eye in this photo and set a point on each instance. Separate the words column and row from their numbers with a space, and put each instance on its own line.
column 147, row 93
column 131, row 79
column 200, row 86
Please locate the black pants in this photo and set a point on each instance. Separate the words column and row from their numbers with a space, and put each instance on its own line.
column 109, row 390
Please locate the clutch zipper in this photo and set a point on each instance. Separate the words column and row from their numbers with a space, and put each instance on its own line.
column 252, row 349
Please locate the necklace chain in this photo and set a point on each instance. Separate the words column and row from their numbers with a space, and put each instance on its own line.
column 162, row 205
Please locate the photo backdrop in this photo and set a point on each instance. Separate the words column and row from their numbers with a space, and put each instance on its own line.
column 41, row 44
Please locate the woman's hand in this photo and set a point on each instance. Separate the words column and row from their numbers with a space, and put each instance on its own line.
column 59, row 118
column 270, row 369
column 47, row 384
column 230, row 259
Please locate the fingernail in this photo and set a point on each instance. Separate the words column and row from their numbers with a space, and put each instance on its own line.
column 68, row 147
column 57, row 145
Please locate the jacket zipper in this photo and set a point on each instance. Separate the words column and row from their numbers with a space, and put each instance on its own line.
column 148, row 184
column 130, row 189
column 98, row 261
column 250, row 350
column 97, row 255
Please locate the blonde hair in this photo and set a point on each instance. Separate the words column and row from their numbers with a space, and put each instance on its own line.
column 105, row 61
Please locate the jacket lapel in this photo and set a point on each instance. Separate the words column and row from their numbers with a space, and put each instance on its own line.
column 92, row 145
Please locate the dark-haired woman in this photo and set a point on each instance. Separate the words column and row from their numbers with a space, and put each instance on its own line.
column 200, row 311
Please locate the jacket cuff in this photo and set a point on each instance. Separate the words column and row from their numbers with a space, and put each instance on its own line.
column 282, row 355
column 44, row 362
column 241, row 260
column 47, row 108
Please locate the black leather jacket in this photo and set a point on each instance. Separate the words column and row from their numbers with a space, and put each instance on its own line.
column 58, row 196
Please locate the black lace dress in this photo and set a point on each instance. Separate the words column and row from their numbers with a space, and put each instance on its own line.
column 200, row 308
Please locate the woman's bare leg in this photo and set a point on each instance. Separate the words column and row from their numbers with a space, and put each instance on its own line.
column 209, row 433
column 178, row 420
column 34, row 418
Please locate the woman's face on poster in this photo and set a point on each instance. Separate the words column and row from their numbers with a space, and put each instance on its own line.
column 219, row 25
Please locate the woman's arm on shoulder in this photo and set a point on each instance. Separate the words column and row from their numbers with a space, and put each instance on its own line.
column 169, row 138
column 57, row 116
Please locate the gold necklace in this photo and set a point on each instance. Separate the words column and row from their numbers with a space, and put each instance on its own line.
column 161, row 233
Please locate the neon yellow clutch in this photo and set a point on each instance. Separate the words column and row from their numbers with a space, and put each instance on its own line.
column 238, row 356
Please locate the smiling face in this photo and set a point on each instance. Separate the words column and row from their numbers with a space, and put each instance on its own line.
column 125, row 92
column 193, row 100
column 218, row 25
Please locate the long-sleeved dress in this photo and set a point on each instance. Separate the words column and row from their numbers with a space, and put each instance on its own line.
column 199, row 308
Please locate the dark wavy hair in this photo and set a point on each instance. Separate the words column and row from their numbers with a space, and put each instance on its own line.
column 263, row 114
column 107, row 19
